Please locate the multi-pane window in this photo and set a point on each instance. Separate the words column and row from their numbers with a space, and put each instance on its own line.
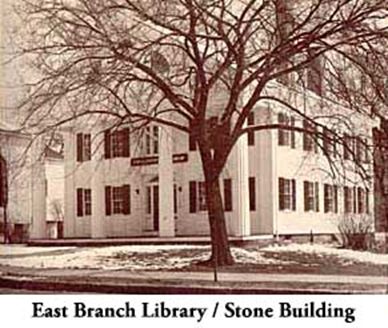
column 83, row 147
column 197, row 195
column 151, row 140
column 311, row 196
column 286, row 136
column 287, row 194
column 348, row 146
column 330, row 198
column 117, row 143
column 310, row 136
column 118, row 200
column 315, row 73
column 84, row 202
column 362, row 155
column 329, row 144
column 348, row 199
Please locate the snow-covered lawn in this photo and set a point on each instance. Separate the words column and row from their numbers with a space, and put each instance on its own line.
column 168, row 257
column 163, row 257
column 331, row 250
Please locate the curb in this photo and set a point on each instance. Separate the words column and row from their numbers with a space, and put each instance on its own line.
column 36, row 284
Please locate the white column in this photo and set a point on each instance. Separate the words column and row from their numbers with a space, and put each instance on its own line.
column 241, row 188
column 97, row 185
column 70, row 196
column 38, row 227
column 166, row 183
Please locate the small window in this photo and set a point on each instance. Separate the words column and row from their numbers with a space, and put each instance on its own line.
column 286, row 136
column 287, row 194
column 329, row 144
column 83, row 147
column 151, row 140
column 84, row 202
column 117, row 143
column 117, row 200
column 88, row 201
column 330, row 198
column 348, row 146
column 311, row 196
column 348, row 199
column 310, row 136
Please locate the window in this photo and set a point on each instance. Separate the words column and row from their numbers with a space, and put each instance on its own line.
column 151, row 140
column 84, row 202
column 310, row 136
column 329, row 144
column 330, row 198
column 287, row 194
column 315, row 73
column 286, row 137
column 361, row 200
column 117, row 143
column 311, row 196
column 251, row 134
column 361, row 151
column 228, row 198
column 252, row 194
column 348, row 146
column 83, row 147
column 118, row 200
column 197, row 195
column 348, row 199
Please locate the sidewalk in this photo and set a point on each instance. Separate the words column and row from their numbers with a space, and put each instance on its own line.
column 124, row 281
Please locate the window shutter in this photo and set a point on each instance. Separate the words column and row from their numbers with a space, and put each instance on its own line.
column 2, row 181
column 108, row 200
column 228, row 195
column 281, row 120
column 80, row 202
column 293, row 194
column 80, row 147
column 125, row 142
column 306, row 186
column 367, row 201
column 107, row 144
column 193, row 196
column 252, row 194
column 354, row 200
column 281, row 194
column 126, row 194
column 251, row 134
column 326, row 198
column 335, row 199
column 192, row 143
column 316, row 196
column 292, row 132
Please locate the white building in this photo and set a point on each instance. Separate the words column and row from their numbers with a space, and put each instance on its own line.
column 274, row 183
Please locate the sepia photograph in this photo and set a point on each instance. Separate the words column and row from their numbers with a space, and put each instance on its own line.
column 194, row 147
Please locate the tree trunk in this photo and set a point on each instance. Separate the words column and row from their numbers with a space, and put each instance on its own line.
column 219, row 237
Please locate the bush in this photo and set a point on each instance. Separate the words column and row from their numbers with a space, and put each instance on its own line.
column 356, row 232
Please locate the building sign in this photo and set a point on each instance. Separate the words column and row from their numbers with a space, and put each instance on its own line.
column 152, row 160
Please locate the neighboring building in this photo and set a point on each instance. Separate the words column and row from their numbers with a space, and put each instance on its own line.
column 274, row 183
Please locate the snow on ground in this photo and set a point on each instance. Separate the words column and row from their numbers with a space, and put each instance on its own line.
column 23, row 249
column 151, row 257
column 329, row 249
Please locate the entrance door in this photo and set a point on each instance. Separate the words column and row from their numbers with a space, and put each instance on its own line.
column 152, row 194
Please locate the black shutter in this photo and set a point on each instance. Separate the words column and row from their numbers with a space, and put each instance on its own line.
column 306, row 189
column 2, row 180
column 193, row 196
column 354, row 200
column 281, row 194
column 107, row 144
column 293, row 182
column 281, row 137
column 126, row 194
column 228, row 198
column 108, row 200
column 252, row 194
column 335, row 199
column 125, row 142
column 80, row 202
column 80, row 147
column 251, row 134
column 316, row 196
column 326, row 198
column 292, row 132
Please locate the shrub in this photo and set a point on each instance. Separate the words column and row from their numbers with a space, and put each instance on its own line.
column 355, row 232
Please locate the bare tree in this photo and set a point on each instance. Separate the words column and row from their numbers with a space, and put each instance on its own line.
column 142, row 61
